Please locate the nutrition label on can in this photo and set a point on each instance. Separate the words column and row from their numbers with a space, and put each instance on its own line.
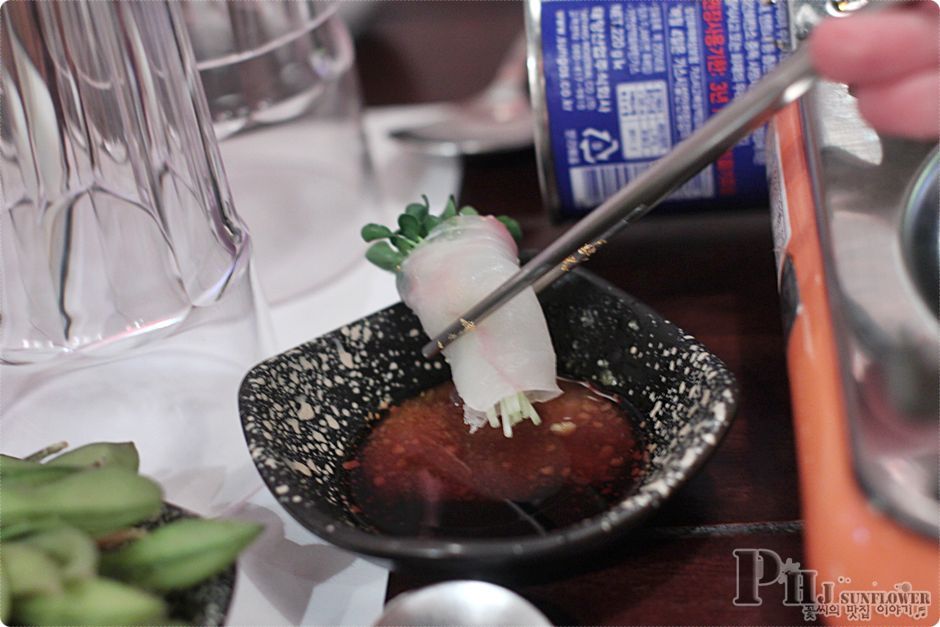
column 626, row 81
column 643, row 109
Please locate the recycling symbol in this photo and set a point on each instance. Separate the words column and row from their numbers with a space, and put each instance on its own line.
column 597, row 145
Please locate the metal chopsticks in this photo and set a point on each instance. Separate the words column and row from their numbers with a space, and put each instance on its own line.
column 785, row 84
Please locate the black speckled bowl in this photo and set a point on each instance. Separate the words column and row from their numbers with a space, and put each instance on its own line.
column 304, row 411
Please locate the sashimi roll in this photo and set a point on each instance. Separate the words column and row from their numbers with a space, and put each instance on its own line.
column 446, row 264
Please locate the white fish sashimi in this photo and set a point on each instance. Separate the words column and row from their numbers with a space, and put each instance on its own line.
column 510, row 353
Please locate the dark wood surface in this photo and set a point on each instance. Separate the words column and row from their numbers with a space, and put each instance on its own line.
column 709, row 272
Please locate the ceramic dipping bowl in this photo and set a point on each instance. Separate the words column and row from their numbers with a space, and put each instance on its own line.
column 305, row 411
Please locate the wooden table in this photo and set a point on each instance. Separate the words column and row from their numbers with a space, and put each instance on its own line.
column 711, row 273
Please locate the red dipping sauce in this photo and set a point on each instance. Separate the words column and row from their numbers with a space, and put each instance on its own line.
column 421, row 473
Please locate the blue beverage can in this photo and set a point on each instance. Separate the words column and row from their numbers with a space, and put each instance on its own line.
column 616, row 84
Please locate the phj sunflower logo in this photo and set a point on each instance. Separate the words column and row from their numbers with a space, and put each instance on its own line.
column 759, row 568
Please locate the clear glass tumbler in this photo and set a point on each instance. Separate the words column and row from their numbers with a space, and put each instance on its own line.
column 284, row 96
column 118, row 232
column 116, row 219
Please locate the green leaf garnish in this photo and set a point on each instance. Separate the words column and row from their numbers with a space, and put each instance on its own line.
column 372, row 232
column 512, row 226
column 450, row 210
column 409, row 226
column 431, row 222
column 402, row 243
column 417, row 210
column 384, row 256
column 414, row 225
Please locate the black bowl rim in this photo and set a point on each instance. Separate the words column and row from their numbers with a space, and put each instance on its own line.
column 583, row 536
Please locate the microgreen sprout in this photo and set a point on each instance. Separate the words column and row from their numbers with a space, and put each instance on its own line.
column 415, row 224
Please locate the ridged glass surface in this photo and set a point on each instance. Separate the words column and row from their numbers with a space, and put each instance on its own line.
column 116, row 218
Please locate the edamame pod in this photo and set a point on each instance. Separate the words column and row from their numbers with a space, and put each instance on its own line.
column 94, row 601
column 75, row 551
column 29, row 570
column 99, row 454
column 181, row 553
column 97, row 501
column 15, row 473
column 6, row 597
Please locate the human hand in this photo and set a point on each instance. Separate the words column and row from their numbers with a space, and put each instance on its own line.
column 891, row 60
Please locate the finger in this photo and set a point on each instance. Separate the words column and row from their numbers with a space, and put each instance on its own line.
column 907, row 108
column 872, row 48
